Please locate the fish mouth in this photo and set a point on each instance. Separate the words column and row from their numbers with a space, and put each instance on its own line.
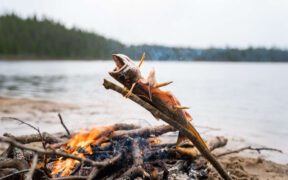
column 120, row 64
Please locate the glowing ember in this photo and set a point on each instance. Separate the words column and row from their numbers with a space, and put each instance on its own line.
column 83, row 140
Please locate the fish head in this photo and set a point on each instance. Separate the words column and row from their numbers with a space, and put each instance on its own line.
column 126, row 71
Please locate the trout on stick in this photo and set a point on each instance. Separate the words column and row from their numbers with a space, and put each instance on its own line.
column 128, row 73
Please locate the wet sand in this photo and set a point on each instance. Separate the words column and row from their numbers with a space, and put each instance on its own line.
column 43, row 114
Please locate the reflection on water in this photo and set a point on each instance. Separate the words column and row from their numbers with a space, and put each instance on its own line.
column 246, row 100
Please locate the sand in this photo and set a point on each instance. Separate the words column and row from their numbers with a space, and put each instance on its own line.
column 44, row 113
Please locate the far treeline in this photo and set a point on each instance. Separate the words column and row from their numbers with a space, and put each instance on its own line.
column 32, row 38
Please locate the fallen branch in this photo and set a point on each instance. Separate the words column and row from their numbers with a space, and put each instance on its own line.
column 173, row 122
column 249, row 148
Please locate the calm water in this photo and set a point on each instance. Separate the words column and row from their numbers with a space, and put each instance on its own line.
column 245, row 101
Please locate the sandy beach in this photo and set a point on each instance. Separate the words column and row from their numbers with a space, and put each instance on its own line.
column 43, row 113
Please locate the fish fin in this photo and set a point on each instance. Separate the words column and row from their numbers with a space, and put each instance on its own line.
column 180, row 107
column 142, row 59
column 188, row 117
column 195, row 133
column 163, row 84
column 130, row 91
column 150, row 91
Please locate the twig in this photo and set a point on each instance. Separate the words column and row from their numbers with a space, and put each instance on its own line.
column 53, row 152
column 30, row 125
column 249, row 148
column 30, row 174
column 37, row 129
column 61, row 120
column 109, row 85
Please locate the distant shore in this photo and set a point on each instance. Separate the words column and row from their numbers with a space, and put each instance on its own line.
column 23, row 38
column 43, row 113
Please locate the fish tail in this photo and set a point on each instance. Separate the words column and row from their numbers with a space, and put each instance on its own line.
column 191, row 128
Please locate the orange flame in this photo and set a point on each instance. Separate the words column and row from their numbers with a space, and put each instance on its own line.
column 151, row 141
column 81, row 140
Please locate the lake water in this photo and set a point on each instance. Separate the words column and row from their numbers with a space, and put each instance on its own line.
column 245, row 101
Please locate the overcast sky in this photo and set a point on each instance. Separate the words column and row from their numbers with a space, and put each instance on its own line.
column 193, row 23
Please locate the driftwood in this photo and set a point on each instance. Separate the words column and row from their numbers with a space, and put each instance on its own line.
column 109, row 85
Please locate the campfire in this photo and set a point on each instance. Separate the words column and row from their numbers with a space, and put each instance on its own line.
column 123, row 151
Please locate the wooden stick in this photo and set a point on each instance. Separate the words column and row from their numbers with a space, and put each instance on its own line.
column 109, row 85
column 30, row 174
column 61, row 120
column 249, row 148
column 53, row 152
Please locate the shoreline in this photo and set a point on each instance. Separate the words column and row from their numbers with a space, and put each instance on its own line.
column 247, row 164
